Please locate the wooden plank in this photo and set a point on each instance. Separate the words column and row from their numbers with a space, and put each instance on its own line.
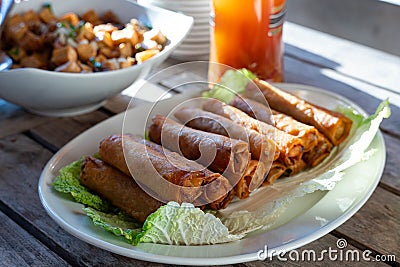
column 14, row 119
column 346, row 57
column 57, row 133
column 140, row 93
column 304, row 256
column 118, row 103
column 298, row 72
column 18, row 191
column 376, row 224
column 18, row 248
column 371, row 22
column 390, row 178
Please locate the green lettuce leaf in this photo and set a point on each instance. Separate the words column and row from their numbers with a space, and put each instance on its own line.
column 233, row 82
column 67, row 182
column 364, row 134
column 184, row 224
column 117, row 224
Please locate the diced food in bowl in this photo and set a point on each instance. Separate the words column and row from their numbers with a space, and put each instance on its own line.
column 89, row 42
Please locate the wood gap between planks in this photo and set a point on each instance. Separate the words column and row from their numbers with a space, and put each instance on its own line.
column 361, row 246
column 41, row 141
column 37, row 234
column 389, row 188
column 394, row 135
column 106, row 111
column 168, row 88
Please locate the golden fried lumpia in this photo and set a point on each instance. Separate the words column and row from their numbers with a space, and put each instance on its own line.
column 211, row 192
column 253, row 108
column 334, row 125
column 319, row 152
column 289, row 146
column 219, row 153
column 171, row 177
column 261, row 148
column 118, row 188
column 306, row 133
column 252, row 178
column 261, row 112
column 277, row 170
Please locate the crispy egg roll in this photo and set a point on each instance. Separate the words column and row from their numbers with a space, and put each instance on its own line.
column 261, row 148
column 334, row 125
column 290, row 147
column 306, row 133
column 219, row 153
column 254, row 173
column 261, row 112
column 211, row 193
column 187, row 179
column 277, row 170
column 252, row 178
column 320, row 151
column 118, row 188
column 295, row 167
column 253, row 108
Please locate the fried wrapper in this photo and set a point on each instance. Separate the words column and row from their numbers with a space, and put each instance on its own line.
column 168, row 175
column 118, row 188
column 334, row 125
column 261, row 112
column 290, row 147
column 219, row 153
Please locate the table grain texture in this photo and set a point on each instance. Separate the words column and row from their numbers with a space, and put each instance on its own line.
column 29, row 237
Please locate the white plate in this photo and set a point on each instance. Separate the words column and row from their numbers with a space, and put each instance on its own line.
column 195, row 57
column 183, row 7
column 199, row 34
column 190, row 55
column 310, row 218
column 197, row 39
column 194, row 47
column 193, row 3
column 202, row 19
column 203, row 27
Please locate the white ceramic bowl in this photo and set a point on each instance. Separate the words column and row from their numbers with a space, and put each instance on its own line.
column 61, row 94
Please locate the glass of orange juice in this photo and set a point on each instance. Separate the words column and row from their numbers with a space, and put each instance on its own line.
column 247, row 34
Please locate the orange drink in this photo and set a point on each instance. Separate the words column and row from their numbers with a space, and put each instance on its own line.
column 247, row 34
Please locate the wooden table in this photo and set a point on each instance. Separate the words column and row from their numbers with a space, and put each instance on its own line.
column 29, row 237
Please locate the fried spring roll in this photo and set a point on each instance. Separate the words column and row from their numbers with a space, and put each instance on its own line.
column 321, row 151
column 118, row 188
column 261, row 112
column 170, row 178
column 261, row 148
column 252, row 178
column 290, row 147
column 219, row 153
column 253, row 108
column 212, row 192
column 277, row 170
column 295, row 167
column 306, row 133
column 334, row 125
